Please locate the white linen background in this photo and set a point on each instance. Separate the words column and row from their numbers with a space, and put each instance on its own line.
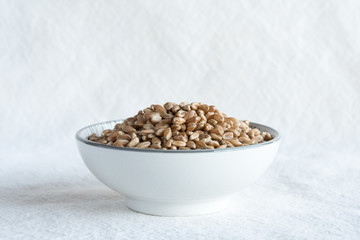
column 292, row 65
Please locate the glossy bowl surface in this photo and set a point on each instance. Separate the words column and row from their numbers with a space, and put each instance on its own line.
column 176, row 182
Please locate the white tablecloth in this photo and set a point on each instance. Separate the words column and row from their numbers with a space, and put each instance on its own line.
column 291, row 65
column 50, row 194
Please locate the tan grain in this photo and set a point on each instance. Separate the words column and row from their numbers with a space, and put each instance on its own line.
column 181, row 126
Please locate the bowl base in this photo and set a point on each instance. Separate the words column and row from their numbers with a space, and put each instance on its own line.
column 177, row 209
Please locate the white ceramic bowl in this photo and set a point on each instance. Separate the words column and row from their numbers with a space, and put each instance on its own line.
column 176, row 182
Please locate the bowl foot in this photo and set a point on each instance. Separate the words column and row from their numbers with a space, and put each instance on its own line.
column 173, row 209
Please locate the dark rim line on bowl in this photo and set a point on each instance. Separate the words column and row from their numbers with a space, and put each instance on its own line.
column 275, row 134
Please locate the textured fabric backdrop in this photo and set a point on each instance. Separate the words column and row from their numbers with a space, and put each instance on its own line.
column 293, row 65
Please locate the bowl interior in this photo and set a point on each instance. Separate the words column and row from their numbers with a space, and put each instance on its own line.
column 97, row 128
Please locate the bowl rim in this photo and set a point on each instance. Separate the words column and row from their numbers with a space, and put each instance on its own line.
column 274, row 133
